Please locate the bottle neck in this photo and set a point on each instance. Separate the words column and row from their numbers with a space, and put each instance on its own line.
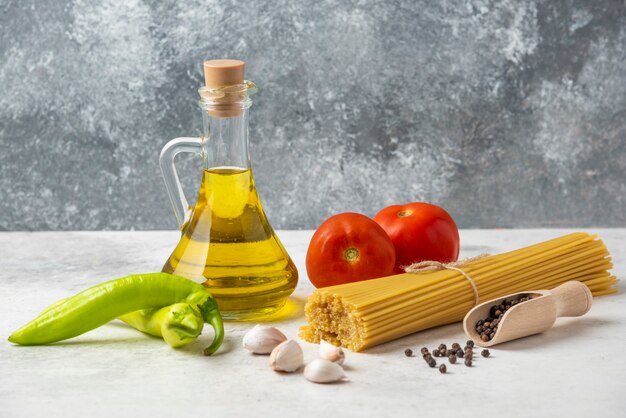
column 225, row 143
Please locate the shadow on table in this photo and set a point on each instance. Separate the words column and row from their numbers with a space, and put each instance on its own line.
column 561, row 332
column 430, row 338
column 293, row 309
column 91, row 342
column 195, row 349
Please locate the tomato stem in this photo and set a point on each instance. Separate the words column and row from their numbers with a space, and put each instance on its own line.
column 351, row 254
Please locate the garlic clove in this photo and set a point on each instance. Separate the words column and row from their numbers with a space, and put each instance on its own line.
column 262, row 339
column 324, row 371
column 287, row 357
column 331, row 353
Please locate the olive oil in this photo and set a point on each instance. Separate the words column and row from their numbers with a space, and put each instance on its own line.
column 229, row 245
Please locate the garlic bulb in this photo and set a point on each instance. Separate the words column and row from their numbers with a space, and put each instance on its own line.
column 287, row 357
column 262, row 339
column 323, row 371
column 331, row 353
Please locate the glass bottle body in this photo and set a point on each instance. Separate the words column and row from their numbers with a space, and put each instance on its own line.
column 227, row 242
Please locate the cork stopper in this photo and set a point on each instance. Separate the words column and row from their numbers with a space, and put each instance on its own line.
column 220, row 73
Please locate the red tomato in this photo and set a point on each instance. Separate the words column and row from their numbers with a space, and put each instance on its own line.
column 349, row 247
column 420, row 231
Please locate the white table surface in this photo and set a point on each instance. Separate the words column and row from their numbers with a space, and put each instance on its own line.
column 576, row 369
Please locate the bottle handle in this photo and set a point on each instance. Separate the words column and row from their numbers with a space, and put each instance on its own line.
column 182, row 210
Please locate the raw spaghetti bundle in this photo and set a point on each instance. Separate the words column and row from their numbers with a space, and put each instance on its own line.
column 364, row 314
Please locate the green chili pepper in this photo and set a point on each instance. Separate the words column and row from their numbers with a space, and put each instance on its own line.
column 179, row 324
column 102, row 303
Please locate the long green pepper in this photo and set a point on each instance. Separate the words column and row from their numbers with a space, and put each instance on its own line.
column 178, row 324
column 102, row 303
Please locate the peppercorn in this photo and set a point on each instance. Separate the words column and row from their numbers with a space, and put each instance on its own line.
column 436, row 352
column 468, row 355
column 470, row 343
column 432, row 362
column 424, row 350
column 443, row 368
column 408, row 352
column 428, row 359
column 487, row 328
column 452, row 359
column 468, row 362
column 459, row 353
column 450, row 352
column 442, row 348
column 485, row 353
column 455, row 346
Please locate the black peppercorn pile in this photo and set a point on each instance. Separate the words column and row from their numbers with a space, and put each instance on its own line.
column 467, row 354
column 487, row 327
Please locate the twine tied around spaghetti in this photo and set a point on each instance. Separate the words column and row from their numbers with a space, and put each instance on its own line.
column 453, row 265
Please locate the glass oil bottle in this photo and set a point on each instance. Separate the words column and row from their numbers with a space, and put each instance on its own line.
column 227, row 242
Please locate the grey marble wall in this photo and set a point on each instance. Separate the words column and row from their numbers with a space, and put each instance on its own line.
column 507, row 113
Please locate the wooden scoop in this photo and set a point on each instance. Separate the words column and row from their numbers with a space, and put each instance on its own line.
column 533, row 316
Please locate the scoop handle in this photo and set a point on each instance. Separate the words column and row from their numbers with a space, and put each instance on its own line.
column 572, row 298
